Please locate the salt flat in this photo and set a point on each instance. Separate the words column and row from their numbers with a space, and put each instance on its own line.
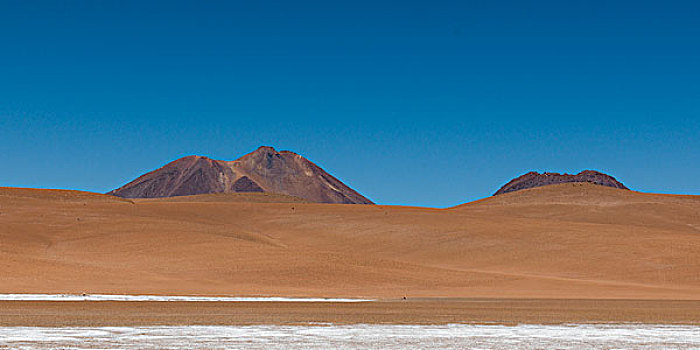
column 164, row 298
column 453, row 336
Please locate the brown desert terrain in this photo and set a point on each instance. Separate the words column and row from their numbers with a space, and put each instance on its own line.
column 574, row 241
column 411, row 311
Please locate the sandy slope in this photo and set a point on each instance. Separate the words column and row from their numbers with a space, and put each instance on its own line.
column 562, row 241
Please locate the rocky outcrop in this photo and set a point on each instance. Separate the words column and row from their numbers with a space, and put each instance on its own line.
column 263, row 170
column 535, row 179
column 244, row 184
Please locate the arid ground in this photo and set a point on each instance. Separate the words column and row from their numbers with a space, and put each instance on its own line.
column 411, row 312
column 565, row 247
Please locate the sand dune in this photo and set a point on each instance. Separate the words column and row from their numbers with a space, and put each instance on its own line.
column 560, row 241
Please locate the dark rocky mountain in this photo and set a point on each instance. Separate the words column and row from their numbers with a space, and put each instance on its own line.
column 263, row 170
column 535, row 179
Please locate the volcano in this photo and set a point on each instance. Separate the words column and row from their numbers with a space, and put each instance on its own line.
column 263, row 170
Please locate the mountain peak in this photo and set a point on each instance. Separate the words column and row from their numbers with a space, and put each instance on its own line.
column 265, row 149
column 535, row 179
column 263, row 170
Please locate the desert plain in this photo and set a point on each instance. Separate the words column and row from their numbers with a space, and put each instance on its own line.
column 572, row 252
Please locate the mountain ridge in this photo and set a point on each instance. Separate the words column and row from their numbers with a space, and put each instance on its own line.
column 534, row 179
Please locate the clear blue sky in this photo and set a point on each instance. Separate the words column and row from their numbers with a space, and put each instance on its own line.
column 429, row 103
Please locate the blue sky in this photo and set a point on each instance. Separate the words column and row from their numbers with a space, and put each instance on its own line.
column 429, row 103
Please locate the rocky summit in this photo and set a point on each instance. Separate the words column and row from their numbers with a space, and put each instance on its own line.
column 263, row 170
column 535, row 179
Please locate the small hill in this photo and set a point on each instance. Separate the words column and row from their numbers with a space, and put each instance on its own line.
column 594, row 204
column 9, row 194
column 535, row 179
column 263, row 170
